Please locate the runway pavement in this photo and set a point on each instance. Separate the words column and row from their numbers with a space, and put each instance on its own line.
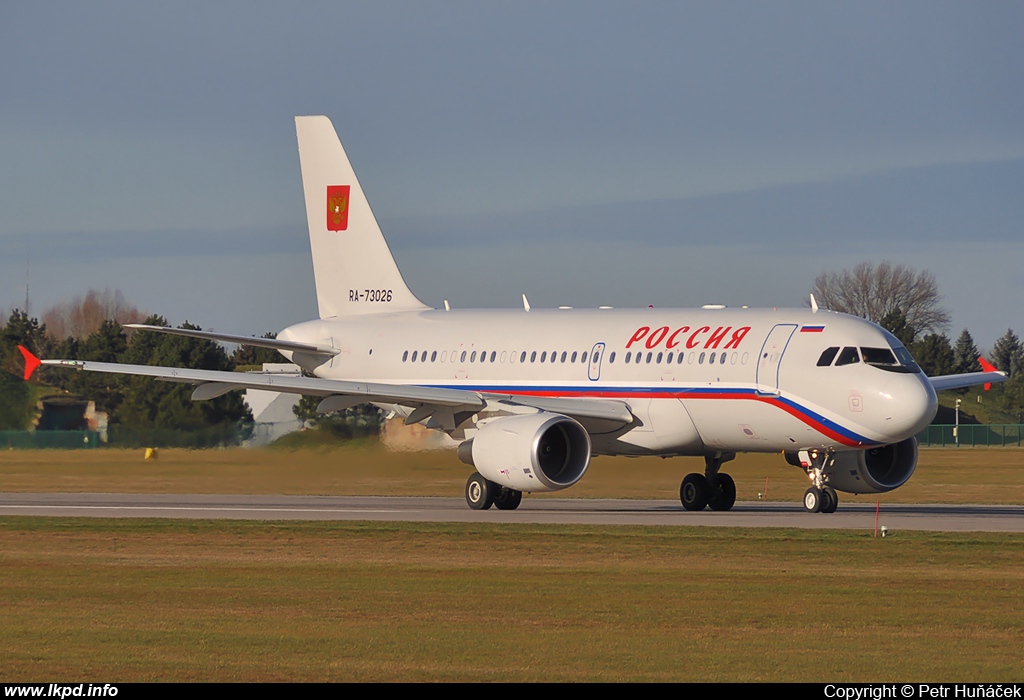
column 960, row 518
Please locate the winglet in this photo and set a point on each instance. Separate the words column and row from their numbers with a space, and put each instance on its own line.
column 988, row 367
column 31, row 361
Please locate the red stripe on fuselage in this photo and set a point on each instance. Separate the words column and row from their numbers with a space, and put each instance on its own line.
column 655, row 394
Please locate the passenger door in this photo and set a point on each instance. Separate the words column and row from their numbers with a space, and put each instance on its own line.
column 770, row 358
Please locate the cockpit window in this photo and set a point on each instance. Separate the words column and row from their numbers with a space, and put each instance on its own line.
column 898, row 359
column 905, row 357
column 826, row 357
column 848, row 356
column 878, row 356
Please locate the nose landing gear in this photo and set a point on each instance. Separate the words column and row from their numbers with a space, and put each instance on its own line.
column 820, row 498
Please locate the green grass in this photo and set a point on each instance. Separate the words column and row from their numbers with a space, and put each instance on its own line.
column 946, row 475
column 127, row 600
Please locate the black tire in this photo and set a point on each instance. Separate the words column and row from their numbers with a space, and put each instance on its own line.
column 829, row 500
column 508, row 499
column 480, row 492
column 694, row 492
column 723, row 496
column 812, row 500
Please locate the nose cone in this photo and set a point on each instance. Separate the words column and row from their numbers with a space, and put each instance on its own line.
column 909, row 404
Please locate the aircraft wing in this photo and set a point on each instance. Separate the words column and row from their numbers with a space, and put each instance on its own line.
column 272, row 343
column 213, row 383
column 961, row 381
column 613, row 411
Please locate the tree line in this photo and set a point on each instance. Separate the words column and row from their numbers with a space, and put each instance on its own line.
column 135, row 402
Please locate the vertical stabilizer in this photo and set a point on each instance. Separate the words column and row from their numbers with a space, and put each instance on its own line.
column 354, row 269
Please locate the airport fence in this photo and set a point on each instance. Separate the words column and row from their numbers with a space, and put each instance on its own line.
column 972, row 435
column 230, row 435
column 119, row 436
column 49, row 439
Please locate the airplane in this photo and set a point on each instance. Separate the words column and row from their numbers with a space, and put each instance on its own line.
column 533, row 394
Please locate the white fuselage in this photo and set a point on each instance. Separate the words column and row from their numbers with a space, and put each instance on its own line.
column 697, row 380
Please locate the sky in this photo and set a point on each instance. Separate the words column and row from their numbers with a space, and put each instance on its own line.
column 584, row 153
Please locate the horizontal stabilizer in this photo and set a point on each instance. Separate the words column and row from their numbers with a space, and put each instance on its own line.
column 271, row 343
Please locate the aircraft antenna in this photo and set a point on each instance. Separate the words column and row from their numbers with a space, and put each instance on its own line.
column 814, row 304
column 447, row 306
column 526, row 303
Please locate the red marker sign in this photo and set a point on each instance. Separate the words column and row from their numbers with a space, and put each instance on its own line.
column 337, row 207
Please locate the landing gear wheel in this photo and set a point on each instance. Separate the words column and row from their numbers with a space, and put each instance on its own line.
column 508, row 499
column 829, row 500
column 480, row 492
column 724, row 496
column 812, row 500
column 694, row 492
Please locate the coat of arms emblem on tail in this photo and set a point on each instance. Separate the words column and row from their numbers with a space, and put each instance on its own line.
column 337, row 207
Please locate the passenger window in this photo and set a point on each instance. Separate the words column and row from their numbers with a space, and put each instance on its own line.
column 564, row 355
column 826, row 357
column 721, row 360
column 660, row 355
column 414, row 352
column 554, row 353
column 494, row 353
column 649, row 356
column 463, row 358
column 711, row 360
column 533, row 356
column 700, row 360
column 405, row 356
column 573, row 358
column 668, row 359
column 629, row 356
column 423, row 356
column 433, row 356
column 522, row 358
column 472, row 358
column 583, row 358
column 848, row 356
column 611, row 359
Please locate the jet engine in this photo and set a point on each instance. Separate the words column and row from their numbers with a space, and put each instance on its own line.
column 535, row 452
column 876, row 470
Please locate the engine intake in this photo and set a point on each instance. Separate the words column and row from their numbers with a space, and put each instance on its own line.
column 876, row 470
column 535, row 452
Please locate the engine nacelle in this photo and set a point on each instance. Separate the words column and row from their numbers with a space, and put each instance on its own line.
column 535, row 452
column 877, row 470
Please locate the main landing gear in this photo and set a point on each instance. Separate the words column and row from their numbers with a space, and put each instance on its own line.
column 820, row 498
column 482, row 493
column 712, row 488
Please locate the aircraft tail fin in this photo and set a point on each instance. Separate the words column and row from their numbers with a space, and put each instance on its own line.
column 354, row 269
